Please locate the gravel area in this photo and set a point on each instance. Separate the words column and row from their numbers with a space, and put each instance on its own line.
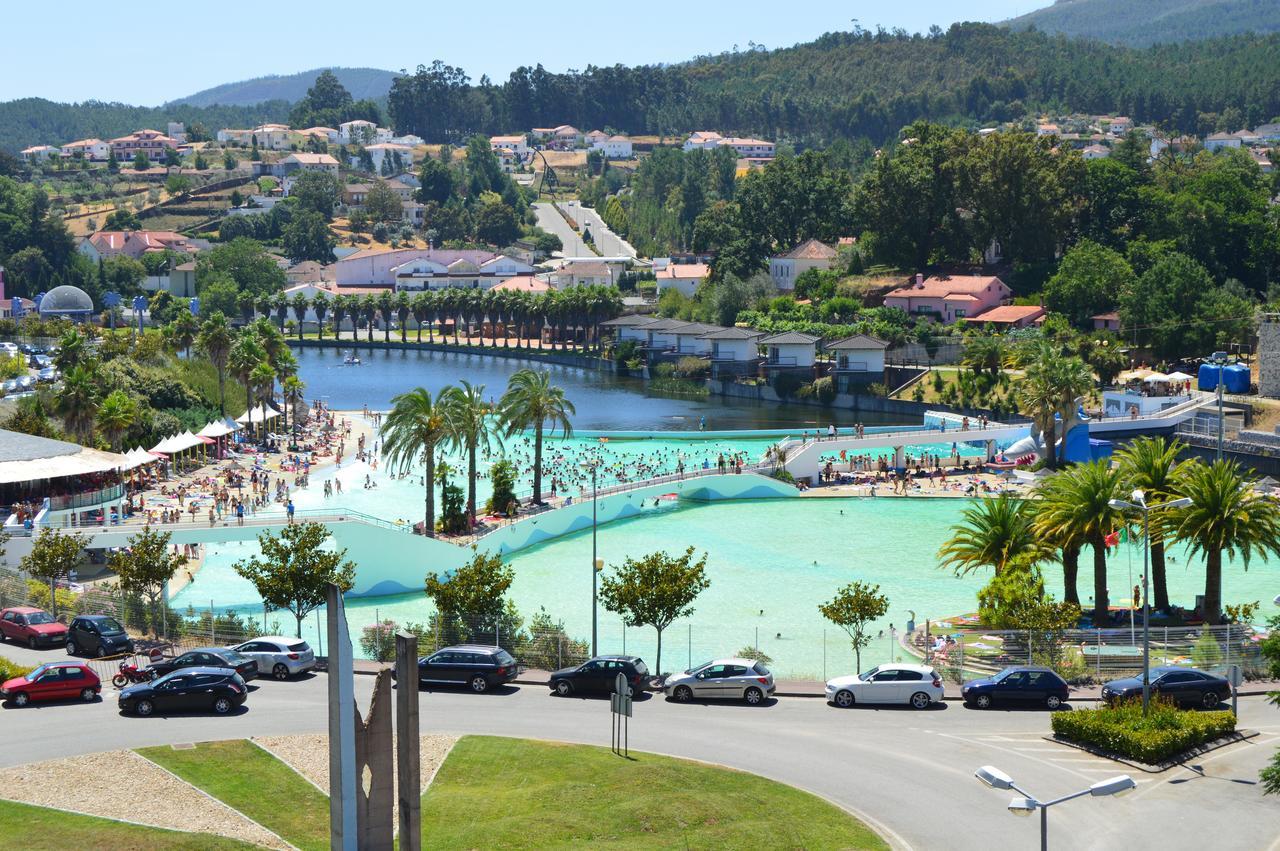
column 124, row 785
column 309, row 755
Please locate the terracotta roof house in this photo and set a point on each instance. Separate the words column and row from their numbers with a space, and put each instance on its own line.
column 524, row 284
column 134, row 243
column 950, row 298
column 684, row 277
column 1010, row 316
column 810, row 254
column 1109, row 321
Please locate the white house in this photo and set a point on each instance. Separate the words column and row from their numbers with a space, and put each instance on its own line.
column 328, row 134
column 273, row 137
column 613, row 147
column 38, row 153
column 361, row 132
column 1120, row 125
column 1095, row 152
column 690, row 339
column 91, row 149
column 662, row 334
column 810, row 254
column 388, row 150
column 517, row 144
column 790, row 350
column 683, row 277
column 584, row 273
column 858, row 359
column 705, row 139
column 629, row 327
column 750, row 148
column 595, row 137
column 1218, row 141
column 734, row 345
column 309, row 162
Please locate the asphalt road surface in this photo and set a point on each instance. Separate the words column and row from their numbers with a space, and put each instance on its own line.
column 610, row 244
column 908, row 773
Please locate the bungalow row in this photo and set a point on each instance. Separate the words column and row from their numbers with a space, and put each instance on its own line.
column 733, row 352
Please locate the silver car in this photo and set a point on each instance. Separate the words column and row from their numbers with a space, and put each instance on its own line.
column 722, row 679
column 282, row 657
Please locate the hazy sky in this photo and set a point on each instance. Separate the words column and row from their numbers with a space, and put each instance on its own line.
column 134, row 55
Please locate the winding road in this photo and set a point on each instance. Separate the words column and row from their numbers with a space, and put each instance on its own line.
column 907, row 773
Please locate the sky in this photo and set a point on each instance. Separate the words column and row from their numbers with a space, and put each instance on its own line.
column 134, row 56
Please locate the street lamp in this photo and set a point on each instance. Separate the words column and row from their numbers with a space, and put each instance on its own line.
column 1219, row 359
column 1027, row 804
column 594, row 466
column 1139, row 503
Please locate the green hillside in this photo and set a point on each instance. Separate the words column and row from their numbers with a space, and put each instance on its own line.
column 1140, row 23
column 370, row 83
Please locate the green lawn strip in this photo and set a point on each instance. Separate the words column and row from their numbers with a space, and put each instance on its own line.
column 247, row 778
column 495, row 792
column 37, row 828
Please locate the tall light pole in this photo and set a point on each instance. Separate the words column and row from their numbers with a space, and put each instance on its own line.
column 594, row 464
column 1220, row 359
column 1139, row 503
column 1027, row 804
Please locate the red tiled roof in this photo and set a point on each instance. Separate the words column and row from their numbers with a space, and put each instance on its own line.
column 941, row 287
column 524, row 284
column 810, row 249
column 684, row 271
column 1009, row 314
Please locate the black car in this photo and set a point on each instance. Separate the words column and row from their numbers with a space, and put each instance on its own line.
column 1185, row 686
column 97, row 635
column 1021, row 685
column 217, row 689
column 478, row 666
column 599, row 675
column 208, row 657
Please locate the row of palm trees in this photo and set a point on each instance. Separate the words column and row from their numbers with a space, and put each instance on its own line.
column 256, row 355
column 1073, row 509
column 457, row 418
column 572, row 316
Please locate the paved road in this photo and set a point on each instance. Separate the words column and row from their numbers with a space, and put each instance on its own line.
column 909, row 773
column 607, row 241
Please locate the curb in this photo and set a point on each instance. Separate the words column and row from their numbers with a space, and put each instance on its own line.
column 1232, row 738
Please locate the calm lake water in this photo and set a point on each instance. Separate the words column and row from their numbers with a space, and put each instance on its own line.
column 604, row 401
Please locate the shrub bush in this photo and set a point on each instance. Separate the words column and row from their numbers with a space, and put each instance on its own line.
column 787, row 384
column 10, row 670
column 691, row 367
column 784, row 476
column 1165, row 732
column 379, row 641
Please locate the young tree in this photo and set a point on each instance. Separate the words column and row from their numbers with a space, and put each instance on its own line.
column 307, row 237
column 655, row 591
column 140, row 162
column 295, row 570
column 382, row 203
column 470, row 598
column 54, row 554
column 145, row 566
column 852, row 609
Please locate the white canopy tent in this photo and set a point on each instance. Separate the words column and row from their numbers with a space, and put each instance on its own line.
column 216, row 429
column 1157, row 378
column 1180, row 376
column 260, row 414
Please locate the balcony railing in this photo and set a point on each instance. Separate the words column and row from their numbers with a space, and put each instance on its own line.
column 87, row 499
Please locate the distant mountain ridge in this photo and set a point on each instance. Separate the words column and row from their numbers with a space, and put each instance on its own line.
column 1141, row 23
column 371, row 83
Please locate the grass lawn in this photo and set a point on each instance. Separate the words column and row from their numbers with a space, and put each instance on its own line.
column 494, row 792
column 38, row 828
column 247, row 778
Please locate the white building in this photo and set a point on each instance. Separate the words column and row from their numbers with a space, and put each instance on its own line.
column 38, row 153
column 790, row 350
column 683, row 277
column 704, row 139
column 1095, row 152
column 422, row 268
column 516, row 144
column 91, row 149
column 858, row 359
column 613, row 147
column 1218, row 141
column 361, row 132
column 387, row 150
column 734, row 345
column 810, row 254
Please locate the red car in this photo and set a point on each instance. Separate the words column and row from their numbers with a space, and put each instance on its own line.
column 54, row 681
column 32, row 627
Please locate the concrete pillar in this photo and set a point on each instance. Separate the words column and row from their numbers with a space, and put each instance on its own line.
column 1269, row 355
column 375, row 757
column 408, row 749
column 343, row 832
column 991, row 450
column 899, row 457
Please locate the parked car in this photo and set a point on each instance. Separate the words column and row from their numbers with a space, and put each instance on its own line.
column 479, row 666
column 219, row 689
column 97, row 635
column 599, row 675
column 917, row 685
column 54, row 681
column 283, row 657
column 208, row 657
column 32, row 627
column 1020, row 685
column 722, row 679
column 47, row 375
column 1186, row 686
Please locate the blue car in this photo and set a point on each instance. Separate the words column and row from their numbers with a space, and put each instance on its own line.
column 1184, row 686
column 1021, row 686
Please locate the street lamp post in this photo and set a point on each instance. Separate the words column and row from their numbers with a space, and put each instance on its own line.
column 595, row 562
column 1027, row 804
column 1139, row 503
column 1220, row 360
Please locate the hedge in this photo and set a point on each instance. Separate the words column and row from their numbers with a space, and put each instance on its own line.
column 10, row 670
column 1165, row 732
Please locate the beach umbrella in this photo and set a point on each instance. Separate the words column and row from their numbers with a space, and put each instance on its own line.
column 1179, row 376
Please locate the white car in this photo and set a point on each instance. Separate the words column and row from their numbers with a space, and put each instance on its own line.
column 722, row 679
column 282, row 657
column 917, row 685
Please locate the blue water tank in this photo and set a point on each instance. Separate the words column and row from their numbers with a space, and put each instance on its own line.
column 1207, row 378
column 1237, row 378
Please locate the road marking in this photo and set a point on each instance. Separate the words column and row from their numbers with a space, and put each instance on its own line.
column 1046, row 750
column 1073, row 759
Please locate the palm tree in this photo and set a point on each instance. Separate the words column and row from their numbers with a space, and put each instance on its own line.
column 77, row 401
column 118, row 412
column 411, row 432
column 403, row 307
column 471, row 429
column 386, row 306
column 291, row 388
column 993, row 533
column 246, row 353
column 279, row 303
column 420, row 306
column 215, row 339
column 182, row 330
column 320, row 304
column 532, row 400
column 1049, row 391
column 369, row 309
column 1225, row 514
column 71, row 351
column 262, row 380
column 342, row 309
column 1076, row 505
column 1148, row 464
column 299, row 303
column 248, row 304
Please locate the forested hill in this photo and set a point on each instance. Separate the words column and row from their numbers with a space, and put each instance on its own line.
column 362, row 83
column 862, row 84
column 36, row 121
column 1139, row 23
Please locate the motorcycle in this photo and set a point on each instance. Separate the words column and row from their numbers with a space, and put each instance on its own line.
column 132, row 674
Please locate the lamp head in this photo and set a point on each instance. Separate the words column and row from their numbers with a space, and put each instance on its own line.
column 1119, row 785
column 994, row 777
column 1139, row 497
column 1181, row 502
column 1119, row 504
column 1023, row 806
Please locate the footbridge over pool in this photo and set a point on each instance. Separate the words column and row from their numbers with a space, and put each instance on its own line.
column 391, row 559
